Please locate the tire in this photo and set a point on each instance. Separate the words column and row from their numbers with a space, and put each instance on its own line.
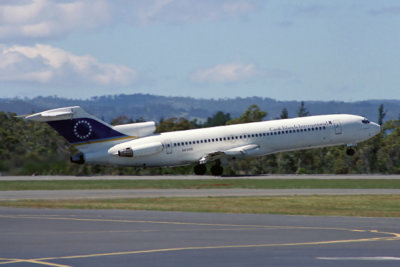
column 200, row 169
column 350, row 152
column 217, row 170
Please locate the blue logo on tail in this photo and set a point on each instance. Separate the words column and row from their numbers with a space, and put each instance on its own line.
column 84, row 130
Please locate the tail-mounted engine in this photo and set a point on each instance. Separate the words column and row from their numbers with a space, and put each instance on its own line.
column 131, row 149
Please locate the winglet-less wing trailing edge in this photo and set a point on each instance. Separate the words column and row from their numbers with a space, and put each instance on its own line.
column 233, row 152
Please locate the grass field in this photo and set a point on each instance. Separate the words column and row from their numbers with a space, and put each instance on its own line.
column 355, row 205
column 363, row 205
column 203, row 184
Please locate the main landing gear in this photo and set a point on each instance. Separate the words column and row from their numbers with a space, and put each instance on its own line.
column 216, row 169
column 200, row 169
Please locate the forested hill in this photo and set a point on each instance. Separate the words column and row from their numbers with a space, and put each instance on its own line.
column 151, row 107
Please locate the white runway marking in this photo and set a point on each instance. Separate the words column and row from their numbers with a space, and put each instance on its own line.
column 360, row 258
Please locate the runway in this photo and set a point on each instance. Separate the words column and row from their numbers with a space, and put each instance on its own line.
column 149, row 238
column 155, row 193
column 197, row 177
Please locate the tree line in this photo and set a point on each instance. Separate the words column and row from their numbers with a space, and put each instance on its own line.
column 31, row 148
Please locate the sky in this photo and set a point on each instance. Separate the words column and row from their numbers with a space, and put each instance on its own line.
column 343, row 50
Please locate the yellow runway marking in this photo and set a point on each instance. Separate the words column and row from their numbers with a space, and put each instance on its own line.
column 10, row 261
column 221, row 247
column 45, row 217
column 44, row 261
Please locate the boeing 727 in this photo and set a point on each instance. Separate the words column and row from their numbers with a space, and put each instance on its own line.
column 136, row 145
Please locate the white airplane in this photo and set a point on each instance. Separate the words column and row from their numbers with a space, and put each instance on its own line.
column 136, row 145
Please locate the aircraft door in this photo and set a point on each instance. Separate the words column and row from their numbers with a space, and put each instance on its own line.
column 168, row 146
column 338, row 127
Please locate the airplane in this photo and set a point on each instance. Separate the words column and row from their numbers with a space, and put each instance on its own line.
column 136, row 144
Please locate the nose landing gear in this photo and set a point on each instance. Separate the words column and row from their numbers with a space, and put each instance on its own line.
column 350, row 151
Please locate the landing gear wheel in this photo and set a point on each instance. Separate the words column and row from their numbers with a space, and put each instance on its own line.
column 217, row 170
column 350, row 152
column 200, row 169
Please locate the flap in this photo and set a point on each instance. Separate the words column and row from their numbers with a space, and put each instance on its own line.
column 236, row 151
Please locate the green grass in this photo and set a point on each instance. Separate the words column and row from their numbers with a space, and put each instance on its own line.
column 364, row 205
column 203, row 184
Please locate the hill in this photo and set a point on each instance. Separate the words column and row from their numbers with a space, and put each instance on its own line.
column 152, row 107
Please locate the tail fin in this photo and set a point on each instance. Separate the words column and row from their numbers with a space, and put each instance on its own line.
column 78, row 127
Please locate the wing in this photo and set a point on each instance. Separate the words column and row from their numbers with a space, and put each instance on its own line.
column 233, row 152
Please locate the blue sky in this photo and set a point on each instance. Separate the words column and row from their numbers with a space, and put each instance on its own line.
column 284, row 49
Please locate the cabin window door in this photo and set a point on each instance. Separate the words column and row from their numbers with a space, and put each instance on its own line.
column 338, row 127
column 168, row 146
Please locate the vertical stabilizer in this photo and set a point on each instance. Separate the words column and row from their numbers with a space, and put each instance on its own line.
column 78, row 127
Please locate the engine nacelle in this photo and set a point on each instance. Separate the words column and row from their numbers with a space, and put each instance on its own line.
column 130, row 150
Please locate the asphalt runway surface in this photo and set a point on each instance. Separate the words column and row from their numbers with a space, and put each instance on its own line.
column 45, row 237
column 197, row 177
column 154, row 193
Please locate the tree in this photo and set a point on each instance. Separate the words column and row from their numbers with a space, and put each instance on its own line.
column 303, row 112
column 284, row 114
column 220, row 118
column 121, row 120
column 252, row 114
column 382, row 114
column 175, row 124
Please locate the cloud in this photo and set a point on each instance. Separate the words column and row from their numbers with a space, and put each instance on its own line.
column 47, row 65
column 146, row 12
column 33, row 20
column 393, row 10
column 48, row 19
column 225, row 73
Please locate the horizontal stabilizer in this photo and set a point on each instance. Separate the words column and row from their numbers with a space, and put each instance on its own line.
column 53, row 114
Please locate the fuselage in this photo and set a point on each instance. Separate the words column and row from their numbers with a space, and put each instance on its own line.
column 266, row 137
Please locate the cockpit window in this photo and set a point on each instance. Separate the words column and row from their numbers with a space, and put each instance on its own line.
column 365, row 121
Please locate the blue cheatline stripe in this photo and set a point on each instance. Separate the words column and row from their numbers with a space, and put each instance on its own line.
column 104, row 140
column 85, row 130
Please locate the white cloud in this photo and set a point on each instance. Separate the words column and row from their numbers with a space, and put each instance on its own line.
column 392, row 10
column 47, row 19
column 47, row 65
column 183, row 11
column 225, row 73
